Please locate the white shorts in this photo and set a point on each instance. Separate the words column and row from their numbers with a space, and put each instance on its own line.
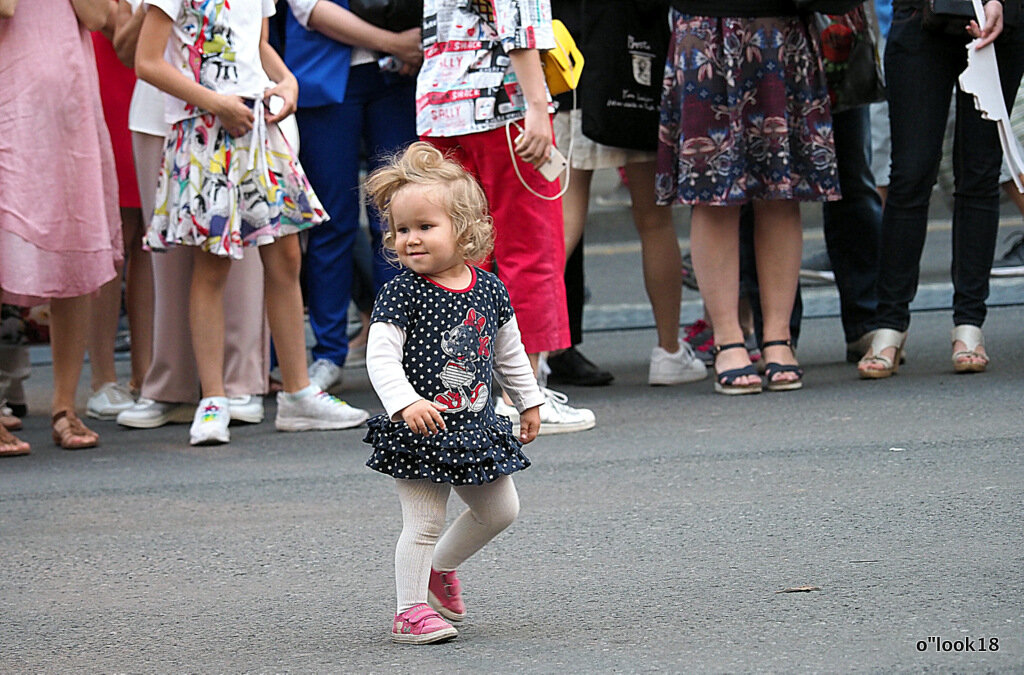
column 588, row 155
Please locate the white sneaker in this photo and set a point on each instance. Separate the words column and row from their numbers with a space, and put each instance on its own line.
column 150, row 414
column 247, row 409
column 316, row 411
column 109, row 400
column 683, row 366
column 558, row 417
column 502, row 408
column 210, row 424
column 325, row 374
column 356, row 357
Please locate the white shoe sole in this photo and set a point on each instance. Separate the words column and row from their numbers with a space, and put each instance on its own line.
column 214, row 439
column 659, row 381
column 316, row 424
column 247, row 418
column 101, row 415
column 548, row 429
column 429, row 638
column 183, row 414
column 551, row 429
column 442, row 610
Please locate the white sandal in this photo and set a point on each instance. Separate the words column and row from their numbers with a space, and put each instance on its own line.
column 884, row 338
column 964, row 361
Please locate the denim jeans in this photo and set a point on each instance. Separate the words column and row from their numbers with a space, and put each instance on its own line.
column 921, row 70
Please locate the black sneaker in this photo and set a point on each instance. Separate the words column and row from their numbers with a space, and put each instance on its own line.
column 1012, row 262
column 817, row 267
column 571, row 367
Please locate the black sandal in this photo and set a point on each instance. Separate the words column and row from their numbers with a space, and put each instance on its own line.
column 772, row 368
column 725, row 382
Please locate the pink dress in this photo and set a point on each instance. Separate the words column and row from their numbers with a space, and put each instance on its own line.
column 60, row 229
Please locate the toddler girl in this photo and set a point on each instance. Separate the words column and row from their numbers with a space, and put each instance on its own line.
column 437, row 330
column 230, row 179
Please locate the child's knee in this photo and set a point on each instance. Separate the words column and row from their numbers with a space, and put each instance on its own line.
column 282, row 260
column 501, row 514
column 425, row 531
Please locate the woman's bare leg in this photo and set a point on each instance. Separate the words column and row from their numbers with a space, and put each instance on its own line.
column 715, row 245
column 662, row 261
column 778, row 245
column 138, row 295
column 281, row 262
column 206, row 319
column 67, row 342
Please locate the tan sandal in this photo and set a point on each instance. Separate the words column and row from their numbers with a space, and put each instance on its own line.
column 70, row 434
column 8, row 419
column 966, row 360
column 884, row 338
column 11, row 445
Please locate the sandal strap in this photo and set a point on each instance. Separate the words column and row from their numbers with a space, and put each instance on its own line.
column 778, row 343
column 885, row 338
column 66, row 425
column 733, row 374
column 971, row 336
column 772, row 369
column 732, row 345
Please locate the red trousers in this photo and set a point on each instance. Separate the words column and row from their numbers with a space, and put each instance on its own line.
column 529, row 241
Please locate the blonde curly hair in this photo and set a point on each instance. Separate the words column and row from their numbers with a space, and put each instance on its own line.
column 464, row 199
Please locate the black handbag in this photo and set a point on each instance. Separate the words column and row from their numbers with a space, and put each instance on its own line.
column 392, row 15
column 827, row 6
column 948, row 17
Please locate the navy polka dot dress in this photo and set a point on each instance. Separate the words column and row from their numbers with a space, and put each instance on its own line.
column 447, row 359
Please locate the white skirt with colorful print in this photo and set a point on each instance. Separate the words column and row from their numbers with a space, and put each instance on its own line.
column 222, row 193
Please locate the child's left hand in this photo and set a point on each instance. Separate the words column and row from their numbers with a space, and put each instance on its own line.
column 288, row 90
column 529, row 424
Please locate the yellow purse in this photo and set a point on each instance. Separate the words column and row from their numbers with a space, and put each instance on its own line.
column 563, row 64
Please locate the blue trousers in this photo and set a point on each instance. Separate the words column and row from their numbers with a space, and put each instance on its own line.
column 377, row 117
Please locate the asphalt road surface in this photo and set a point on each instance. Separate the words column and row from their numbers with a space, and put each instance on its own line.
column 660, row 541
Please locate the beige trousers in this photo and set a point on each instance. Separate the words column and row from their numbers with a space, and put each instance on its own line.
column 172, row 376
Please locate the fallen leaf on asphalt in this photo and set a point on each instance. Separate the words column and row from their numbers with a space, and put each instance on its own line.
column 799, row 589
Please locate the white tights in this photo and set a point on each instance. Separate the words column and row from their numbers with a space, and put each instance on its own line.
column 492, row 507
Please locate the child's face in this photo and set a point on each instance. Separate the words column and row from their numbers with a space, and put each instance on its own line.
column 424, row 237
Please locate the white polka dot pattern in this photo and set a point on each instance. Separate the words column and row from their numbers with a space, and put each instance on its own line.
column 449, row 337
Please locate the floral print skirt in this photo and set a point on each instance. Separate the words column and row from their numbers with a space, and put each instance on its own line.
column 744, row 114
column 221, row 193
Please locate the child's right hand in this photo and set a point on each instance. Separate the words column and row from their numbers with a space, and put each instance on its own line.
column 529, row 424
column 424, row 417
column 235, row 115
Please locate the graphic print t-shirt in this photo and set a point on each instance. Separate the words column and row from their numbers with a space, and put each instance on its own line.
column 217, row 44
column 467, row 83
column 449, row 338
